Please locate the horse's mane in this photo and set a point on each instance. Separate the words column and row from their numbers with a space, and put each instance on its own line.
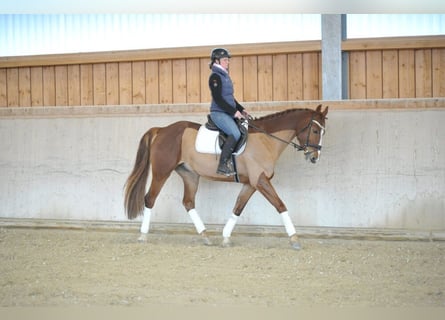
column 280, row 114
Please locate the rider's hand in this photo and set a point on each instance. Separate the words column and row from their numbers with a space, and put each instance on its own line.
column 238, row 115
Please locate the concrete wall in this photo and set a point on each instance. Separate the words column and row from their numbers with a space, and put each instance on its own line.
column 381, row 168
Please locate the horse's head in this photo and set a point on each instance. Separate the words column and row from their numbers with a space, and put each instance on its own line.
column 311, row 136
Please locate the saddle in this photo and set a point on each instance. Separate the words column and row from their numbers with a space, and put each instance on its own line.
column 210, row 138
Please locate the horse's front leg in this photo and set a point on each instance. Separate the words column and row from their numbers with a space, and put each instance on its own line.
column 268, row 191
column 243, row 197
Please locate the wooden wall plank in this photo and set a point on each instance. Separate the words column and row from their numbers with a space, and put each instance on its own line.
column 357, row 75
column 279, row 77
column 390, row 74
column 61, row 74
column 125, row 85
column 205, row 74
column 112, row 83
column 138, row 74
column 99, row 84
column 311, row 76
column 295, row 76
column 265, row 78
column 179, row 81
column 49, row 86
column 423, row 69
column 236, row 74
column 24, row 87
column 3, row 88
column 165, row 81
column 12, row 77
column 193, row 80
column 86, row 85
column 438, row 63
column 250, row 78
column 374, row 84
column 152, row 82
column 36, row 86
column 74, row 85
column 406, row 74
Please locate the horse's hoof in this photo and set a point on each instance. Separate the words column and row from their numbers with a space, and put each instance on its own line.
column 295, row 243
column 205, row 239
column 226, row 243
column 142, row 238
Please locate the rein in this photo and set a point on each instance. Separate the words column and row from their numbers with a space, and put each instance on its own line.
column 291, row 143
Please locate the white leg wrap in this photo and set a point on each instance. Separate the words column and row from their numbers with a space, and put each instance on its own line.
column 199, row 225
column 290, row 229
column 146, row 221
column 228, row 228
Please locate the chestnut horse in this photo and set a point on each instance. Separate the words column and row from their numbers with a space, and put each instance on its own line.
column 172, row 148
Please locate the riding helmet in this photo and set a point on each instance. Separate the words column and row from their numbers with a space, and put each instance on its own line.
column 219, row 53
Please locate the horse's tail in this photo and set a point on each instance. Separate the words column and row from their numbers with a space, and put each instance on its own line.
column 137, row 181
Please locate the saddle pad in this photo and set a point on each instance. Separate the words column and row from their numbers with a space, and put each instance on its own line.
column 207, row 142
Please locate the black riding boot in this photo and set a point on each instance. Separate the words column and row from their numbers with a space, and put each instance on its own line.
column 225, row 166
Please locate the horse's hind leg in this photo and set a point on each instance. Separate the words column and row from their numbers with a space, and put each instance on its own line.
column 150, row 198
column 191, row 181
column 246, row 192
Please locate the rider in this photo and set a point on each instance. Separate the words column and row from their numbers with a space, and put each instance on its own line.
column 224, row 108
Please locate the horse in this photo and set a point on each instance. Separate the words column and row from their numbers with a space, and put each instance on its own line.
column 172, row 148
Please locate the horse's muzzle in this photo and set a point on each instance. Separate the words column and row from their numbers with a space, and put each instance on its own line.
column 312, row 156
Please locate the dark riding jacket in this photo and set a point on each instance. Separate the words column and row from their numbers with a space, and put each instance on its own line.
column 221, row 87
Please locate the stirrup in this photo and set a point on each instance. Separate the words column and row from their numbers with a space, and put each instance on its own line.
column 226, row 168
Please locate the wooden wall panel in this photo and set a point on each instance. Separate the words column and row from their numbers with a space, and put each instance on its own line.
column 99, row 84
column 3, row 88
column 374, row 85
column 49, row 86
column 423, row 70
column 295, row 76
column 165, row 81
column 265, row 78
column 250, row 78
column 61, row 74
column 36, row 86
column 24, row 87
column 152, row 82
column 112, row 83
column 125, row 85
column 179, row 81
column 438, row 61
column 12, row 78
column 357, row 75
column 390, row 74
column 236, row 73
column 74, row 85
column 86, row 85
column 138, row 78
column 204, row 75
column 279, row 77
column 407, row 79
column 311, row 76
column 193, row 80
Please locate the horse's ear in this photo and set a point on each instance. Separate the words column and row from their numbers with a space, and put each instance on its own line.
column 325, row 112
column 318, row 108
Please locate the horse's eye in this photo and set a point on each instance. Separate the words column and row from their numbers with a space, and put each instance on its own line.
column 315, row 131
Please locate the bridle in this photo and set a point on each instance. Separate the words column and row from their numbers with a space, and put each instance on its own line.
column 304, row 147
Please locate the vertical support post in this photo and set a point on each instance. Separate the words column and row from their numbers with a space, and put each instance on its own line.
column 334, row 75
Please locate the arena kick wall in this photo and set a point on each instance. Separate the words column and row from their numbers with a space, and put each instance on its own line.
column 382, row 166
